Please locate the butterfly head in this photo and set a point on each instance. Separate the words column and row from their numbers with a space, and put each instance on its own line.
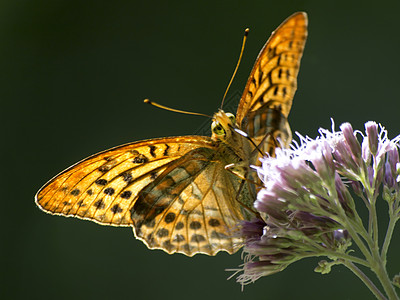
column 222, row 125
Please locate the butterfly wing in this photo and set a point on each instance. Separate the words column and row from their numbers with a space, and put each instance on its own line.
column 267, row 97
column 175, row 192
column 191, row 207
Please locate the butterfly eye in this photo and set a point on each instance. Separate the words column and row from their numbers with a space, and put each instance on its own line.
column 217, row 128
column 231, row 117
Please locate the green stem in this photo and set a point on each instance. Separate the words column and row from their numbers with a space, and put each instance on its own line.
column 322, row 251
column 388, row 237
column 383, row 277
column 354, row 235
column 364, row 278
column 370, row 221
column 347, row 257
column 375, row 222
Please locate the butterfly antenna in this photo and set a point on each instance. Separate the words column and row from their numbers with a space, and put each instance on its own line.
column 175, row 110
column 246, row 33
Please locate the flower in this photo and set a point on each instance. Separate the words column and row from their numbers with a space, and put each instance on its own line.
column 306, row 208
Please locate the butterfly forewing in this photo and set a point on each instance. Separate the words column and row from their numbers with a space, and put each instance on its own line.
column 104, row 187
column 268, row 95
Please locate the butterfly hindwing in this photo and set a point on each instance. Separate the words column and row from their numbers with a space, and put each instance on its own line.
column 191, row 207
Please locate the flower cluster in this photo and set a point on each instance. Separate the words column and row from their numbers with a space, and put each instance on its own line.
column 306, row 208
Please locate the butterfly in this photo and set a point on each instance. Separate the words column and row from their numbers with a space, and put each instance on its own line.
column 177, row 193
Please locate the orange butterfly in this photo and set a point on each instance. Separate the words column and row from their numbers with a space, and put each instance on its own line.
column 176, row 192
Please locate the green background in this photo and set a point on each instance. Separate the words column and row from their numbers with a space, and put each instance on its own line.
column 73, row 77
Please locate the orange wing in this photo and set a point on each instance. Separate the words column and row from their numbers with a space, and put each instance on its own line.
column 267, row 97
column 104, row 186
column 174, row 192
column 192, row 207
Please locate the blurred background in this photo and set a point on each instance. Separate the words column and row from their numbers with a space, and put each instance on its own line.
column 73, row 78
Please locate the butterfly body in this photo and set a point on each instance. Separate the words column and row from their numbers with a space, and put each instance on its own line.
column 176, row 192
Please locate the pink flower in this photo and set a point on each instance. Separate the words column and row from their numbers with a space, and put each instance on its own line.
column 306, row 207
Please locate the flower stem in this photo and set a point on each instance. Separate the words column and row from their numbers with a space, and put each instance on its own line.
column 375, row 223
column 364, row 278
column 350, row 258
column 388, row 237
column 354, row 233
column 383, row 277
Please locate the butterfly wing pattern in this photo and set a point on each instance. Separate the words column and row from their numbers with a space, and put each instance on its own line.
column 267, row 97
column 175, row 191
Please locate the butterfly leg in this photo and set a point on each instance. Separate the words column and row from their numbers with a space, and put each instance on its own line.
column 241, row 170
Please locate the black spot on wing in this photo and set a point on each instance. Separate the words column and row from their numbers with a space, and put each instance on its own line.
column 109, row 191
column 213, row 223
column 195, row 225
column 166, row 150
column 162, row 232
column 140, row 159
column 101, row 182
column 179, row 226
column 198, row 238
column 187, row 248
column 153, row 150
column 150, row 239
column 126, row 194
column 179, row 238
column 276, row 89
column 153, row 175
column 149, row 223
column 116, row 209
column 284, row 91
column 127, row 177
column 99, row 204
column 170, row 217
column 104, row 168
column 75, row 192
column 260, row 77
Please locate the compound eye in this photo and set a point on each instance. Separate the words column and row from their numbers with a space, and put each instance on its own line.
column 217, row 128
column 231, row 117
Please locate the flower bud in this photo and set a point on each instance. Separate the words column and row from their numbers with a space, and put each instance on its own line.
column 371, row 129
column 388, row 179
column 351, row 140
column 366, row 152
